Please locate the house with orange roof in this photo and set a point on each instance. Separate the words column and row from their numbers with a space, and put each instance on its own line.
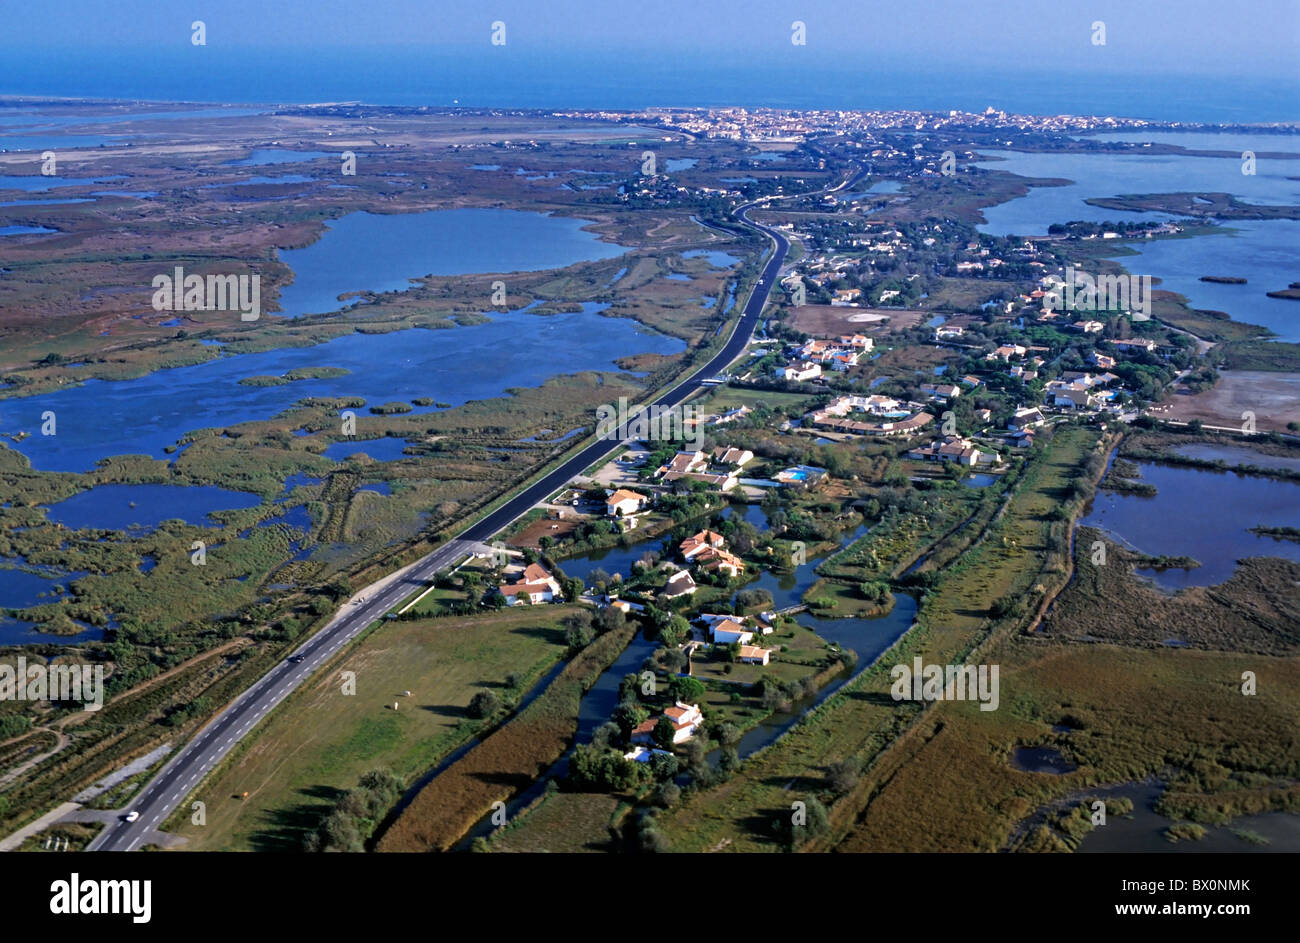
column 536, row 585
column 685, row 718
column 623, row 502
column 720, row 561
column 694, row 545
column 727, row 631
column 684, row 463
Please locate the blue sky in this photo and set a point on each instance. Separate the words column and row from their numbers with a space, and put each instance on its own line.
column 1142, row 35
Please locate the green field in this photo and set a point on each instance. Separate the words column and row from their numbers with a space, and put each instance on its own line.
column 320, row 742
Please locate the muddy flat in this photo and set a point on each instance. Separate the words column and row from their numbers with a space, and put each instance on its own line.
column 1274, row 398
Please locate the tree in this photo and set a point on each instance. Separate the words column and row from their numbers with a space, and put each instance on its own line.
column 673, row 659
column 817, row 822
column 578, row 637
column 663, row 766
column 628, row 688
column 675, row 631
column 687, row 690
column 483, row 704
column 748, row 599
column 664, row 732
column 606, row 770
column 843, row 775
column 605, row 735
column 612, row 619
column 628, row 716
column 668, row 795
column 727, row 734
column 875, row 591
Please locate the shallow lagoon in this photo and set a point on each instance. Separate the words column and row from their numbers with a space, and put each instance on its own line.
column 1207, row 140
column 36, row 183
column 371, row 252
column 1202, row 514
column 1265, row 252
column 143, row 415
column 1104, row 175
column 141, row 508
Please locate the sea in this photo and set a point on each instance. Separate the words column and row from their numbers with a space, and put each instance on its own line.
column 530, row 78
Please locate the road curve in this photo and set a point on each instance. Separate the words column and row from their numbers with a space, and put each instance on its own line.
column 185, row 770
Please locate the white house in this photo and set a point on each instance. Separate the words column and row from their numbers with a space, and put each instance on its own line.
column 623, row 502
column 680, row 583
column 694, row 545
column 728, row 631
column 1070, row 398
column 737, row 458
column 800, row 372
column 1026, row 418
column 753, row 655
column 536, row 586
column 685, row 718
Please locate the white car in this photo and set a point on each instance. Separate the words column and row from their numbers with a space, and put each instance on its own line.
column 132, row 815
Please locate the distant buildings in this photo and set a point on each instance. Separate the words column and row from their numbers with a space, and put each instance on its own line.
column 1137, row 343
column 1007, row 351
column 941, row 391
column 740, row 412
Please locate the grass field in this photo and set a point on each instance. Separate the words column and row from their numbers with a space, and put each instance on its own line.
column 319, row 743
column 563, row 822
column 726, row 397
column 505, row 762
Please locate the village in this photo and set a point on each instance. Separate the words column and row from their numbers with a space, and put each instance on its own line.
column 954, row 398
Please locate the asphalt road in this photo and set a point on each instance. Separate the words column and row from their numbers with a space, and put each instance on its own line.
column 185, row 770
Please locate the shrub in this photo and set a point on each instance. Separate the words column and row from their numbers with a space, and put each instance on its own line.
column 483, row 704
